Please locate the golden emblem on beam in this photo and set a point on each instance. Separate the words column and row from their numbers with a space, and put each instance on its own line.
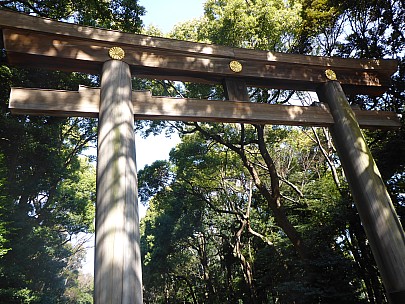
column 235, row 66
column 330, row 74
column 116, row 53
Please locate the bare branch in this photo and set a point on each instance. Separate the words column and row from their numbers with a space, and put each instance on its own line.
column 294, row 187
column 328, row 160
column 261, row 236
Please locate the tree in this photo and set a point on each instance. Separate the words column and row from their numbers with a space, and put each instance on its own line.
column 4, row 247
column 240, row 235
column 121, row 15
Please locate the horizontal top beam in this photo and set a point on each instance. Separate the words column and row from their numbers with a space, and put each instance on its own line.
column 40, row 42
column 85, row 102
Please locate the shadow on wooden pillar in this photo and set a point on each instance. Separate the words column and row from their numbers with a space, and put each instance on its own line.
column 380, row 221
column 235, row 89
column 117, row 277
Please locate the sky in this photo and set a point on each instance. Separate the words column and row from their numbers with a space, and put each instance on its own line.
column 164, row 14
column 155, row 147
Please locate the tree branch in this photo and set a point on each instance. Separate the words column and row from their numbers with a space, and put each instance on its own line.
column 294, row 187
column 328, row 160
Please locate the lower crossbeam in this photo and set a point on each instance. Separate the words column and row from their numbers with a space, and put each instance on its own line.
column 85, row 102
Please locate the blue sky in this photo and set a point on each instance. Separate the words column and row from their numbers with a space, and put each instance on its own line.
column 164, row 14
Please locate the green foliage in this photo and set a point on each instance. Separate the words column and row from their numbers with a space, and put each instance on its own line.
column 4, row 247
column 153, row 179
column 261, row 24
column 37, row 237
column 118, row 14
column 75, row 198
column 194, row 222
column 79, row 289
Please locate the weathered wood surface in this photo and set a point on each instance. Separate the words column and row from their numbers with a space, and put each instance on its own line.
column 40, row 42
column 235, row 89
column 118, row 278
column 377, row 214
column 85, row 102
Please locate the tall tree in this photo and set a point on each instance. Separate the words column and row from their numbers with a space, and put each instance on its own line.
column 253, row 259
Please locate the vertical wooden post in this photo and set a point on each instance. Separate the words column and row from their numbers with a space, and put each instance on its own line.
column 235, row 89
column 117, row 259
column 380, row 221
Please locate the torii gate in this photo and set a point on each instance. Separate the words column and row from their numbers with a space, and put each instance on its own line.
column 39, row 42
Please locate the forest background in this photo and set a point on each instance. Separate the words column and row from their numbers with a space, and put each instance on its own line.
column 239, row 213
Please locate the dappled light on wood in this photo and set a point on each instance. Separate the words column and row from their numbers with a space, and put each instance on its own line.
column 118, row 276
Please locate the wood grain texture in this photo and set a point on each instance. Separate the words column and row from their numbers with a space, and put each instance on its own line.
column 380, row 221
column 235, row 89
column 118, row 278
column 39, row 42
column 145, row 106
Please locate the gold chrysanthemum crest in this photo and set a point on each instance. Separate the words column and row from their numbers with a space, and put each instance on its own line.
column 235, row 66
column 330, row 74
column 116, row 53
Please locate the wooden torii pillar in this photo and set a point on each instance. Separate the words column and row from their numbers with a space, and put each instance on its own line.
column 117, row 276
column 377, row 214
column 39, row 42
